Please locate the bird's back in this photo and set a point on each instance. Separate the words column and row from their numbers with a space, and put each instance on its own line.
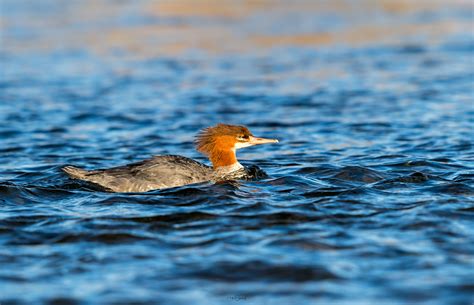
column 156, row 173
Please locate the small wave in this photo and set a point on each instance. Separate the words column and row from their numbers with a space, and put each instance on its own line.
column 250, row 270
column 452, row 188
column 358, row 174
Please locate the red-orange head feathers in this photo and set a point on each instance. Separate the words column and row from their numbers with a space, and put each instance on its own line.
column 220, row 142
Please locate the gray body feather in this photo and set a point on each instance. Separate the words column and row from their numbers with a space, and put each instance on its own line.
column 156, row 173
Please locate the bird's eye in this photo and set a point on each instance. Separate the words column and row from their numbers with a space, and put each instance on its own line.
column 242, row 137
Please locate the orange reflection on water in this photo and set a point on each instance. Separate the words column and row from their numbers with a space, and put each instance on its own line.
column 225, row 26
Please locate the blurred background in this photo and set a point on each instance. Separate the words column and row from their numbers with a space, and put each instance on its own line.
column 148, row 29
column 369, row 198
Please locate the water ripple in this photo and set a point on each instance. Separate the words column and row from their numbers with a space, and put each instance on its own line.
column 369, row 197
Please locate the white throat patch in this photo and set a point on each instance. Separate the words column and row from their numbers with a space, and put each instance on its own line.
column 229, row 169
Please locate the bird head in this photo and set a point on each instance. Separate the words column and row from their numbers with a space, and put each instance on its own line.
column 220, row 142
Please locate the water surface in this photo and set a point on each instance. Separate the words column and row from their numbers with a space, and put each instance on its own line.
column 370, row 194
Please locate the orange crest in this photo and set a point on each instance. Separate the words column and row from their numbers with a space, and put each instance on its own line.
column 218, row 143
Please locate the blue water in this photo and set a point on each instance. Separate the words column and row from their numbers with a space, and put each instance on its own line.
column 369, row 199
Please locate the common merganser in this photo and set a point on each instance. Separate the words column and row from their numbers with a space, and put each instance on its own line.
column 218, row 143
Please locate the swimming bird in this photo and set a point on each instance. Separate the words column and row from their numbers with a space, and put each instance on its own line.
column 219, row 143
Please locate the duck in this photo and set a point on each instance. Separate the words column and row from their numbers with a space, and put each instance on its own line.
column 219, row 143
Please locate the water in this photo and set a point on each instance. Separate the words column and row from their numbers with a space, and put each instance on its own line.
column 369, row 198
